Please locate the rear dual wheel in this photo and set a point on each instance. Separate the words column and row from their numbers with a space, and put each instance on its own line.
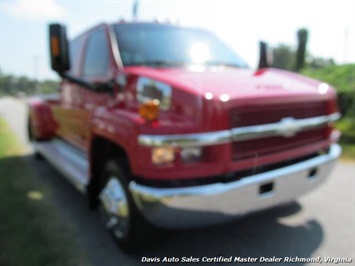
column 33, row 141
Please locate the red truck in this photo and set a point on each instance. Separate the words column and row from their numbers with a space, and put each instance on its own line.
column 165, row 125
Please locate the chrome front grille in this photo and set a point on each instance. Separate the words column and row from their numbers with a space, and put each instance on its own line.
column 268, row 114
column 265, row 146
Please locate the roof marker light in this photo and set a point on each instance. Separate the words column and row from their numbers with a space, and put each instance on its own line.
column 209, row 96
column 224, row 97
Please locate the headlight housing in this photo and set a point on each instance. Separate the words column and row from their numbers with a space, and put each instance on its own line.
column 152, row 90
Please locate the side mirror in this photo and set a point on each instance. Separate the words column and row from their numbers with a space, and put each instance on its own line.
column 265, row 56
column 59, row 52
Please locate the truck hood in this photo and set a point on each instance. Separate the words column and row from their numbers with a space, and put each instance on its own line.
column 233, row 83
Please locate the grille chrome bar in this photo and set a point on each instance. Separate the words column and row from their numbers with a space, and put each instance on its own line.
column 287, row 127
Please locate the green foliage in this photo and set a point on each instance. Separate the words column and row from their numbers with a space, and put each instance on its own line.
column 347, row 140
column 342, row 78
column 11, row 85
column 347, row 127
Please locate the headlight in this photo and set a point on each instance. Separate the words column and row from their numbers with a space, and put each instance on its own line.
column 152, row 90
column 163, row 155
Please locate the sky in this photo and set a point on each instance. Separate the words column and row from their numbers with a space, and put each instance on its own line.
column 241, row 24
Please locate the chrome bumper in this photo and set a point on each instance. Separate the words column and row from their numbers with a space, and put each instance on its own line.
column 197, row 206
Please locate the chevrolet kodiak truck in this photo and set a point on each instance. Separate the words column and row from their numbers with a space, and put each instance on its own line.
column 165, row 125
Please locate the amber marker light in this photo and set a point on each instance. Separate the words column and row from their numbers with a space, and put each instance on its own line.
column 149, row 110
column 55, row 46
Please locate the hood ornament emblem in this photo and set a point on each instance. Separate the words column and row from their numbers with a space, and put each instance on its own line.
column 288, row 127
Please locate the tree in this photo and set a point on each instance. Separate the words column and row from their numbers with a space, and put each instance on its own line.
column 283, row 57
column 6, row 84
column 318, row 62
column 11, row 85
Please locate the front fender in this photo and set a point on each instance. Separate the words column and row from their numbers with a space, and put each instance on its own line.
column 118, row 127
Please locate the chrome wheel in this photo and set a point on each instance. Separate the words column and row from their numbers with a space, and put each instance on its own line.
column 115, row 206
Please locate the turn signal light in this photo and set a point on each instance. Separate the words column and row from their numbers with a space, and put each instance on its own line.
column 149, row 110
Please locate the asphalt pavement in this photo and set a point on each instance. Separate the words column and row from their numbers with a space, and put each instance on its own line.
column 319, row 225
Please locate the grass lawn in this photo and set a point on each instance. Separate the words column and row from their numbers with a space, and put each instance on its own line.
column 32, row 233
column 348, row 151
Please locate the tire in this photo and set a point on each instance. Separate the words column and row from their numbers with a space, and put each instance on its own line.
column 33, row 141
column 117, row 208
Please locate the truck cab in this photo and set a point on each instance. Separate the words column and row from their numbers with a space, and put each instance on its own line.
column 166, row 125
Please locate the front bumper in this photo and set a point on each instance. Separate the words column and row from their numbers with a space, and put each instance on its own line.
column 197, row 206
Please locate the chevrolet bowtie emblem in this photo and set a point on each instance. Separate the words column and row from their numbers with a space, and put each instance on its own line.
column 288, row 127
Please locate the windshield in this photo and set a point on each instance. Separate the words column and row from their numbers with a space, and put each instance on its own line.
column 167, row 45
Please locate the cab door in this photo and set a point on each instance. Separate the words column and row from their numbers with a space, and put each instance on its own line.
column 97, row 68
column 68, row 111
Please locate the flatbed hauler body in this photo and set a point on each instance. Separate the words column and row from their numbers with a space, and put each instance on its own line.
column 166, row 124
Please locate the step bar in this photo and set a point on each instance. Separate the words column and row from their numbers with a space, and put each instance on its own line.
column 68, row 160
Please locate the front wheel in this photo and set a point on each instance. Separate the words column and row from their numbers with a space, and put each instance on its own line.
column 117, row 207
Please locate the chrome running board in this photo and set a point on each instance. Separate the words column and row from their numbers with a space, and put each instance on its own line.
column 68, row 160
